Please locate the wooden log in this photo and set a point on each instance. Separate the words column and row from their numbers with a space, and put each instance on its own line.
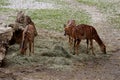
column 5, row 35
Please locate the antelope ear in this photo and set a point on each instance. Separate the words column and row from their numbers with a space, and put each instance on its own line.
column 64, row 25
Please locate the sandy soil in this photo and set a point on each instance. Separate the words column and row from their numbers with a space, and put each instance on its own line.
column 98, row 69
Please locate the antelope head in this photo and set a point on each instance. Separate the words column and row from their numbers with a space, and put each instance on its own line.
column 103, row 49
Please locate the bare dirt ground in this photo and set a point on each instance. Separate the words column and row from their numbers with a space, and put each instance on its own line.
column 97, row 69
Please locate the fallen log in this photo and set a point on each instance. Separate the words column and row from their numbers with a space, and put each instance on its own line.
column 5, row 35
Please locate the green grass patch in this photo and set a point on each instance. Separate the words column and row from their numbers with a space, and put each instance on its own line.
column 115, row 21
column 6, row 10
column 3, row 2
column 54, row 19
column 8, row 14
column 103, row 5
column 114, row 18
column 111, row 8
column 89, row 2
column 60, row 2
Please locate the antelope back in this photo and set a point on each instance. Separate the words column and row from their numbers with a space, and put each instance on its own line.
column 84, row 31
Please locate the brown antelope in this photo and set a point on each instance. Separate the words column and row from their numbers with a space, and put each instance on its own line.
column 28, row 36
column 84, row 31
column 68, row 31
column 90, row 33
column 29, row 32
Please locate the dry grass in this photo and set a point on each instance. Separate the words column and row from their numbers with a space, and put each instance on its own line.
column 52, row 51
